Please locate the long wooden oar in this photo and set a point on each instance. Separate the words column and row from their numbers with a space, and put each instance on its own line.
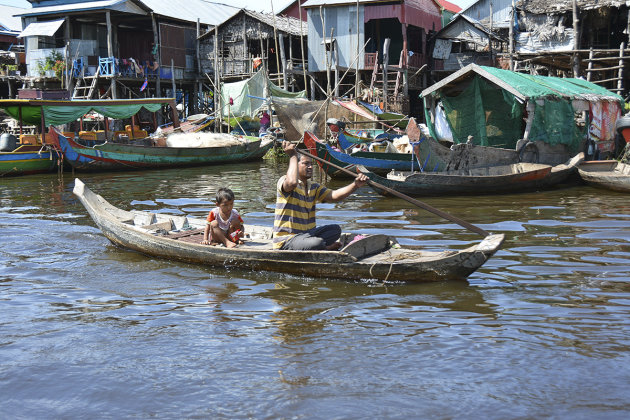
column 418, row 203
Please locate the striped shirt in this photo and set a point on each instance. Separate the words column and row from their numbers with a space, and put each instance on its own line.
column 295, row 211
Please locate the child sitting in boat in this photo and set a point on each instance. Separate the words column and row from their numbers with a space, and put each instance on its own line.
column 223, row 225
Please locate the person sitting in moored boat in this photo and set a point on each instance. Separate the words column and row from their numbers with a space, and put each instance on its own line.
column 294, row 224
column 224, row 225
column 265, row 122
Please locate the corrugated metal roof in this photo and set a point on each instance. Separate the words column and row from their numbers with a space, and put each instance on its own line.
column 120, row 5
column 317, row 3
column 208, row 13
column 449, row 6
column 43, row 28
column 8, row 20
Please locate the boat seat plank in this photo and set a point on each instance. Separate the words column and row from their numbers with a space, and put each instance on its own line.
column 166, row 225
column 141, row 218
column 369, row 245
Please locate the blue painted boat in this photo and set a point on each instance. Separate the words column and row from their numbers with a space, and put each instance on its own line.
column 144, row 154
column 380, row 163
column 27, row 159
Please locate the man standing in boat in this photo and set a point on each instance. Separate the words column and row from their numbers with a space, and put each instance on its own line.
column 294, row 225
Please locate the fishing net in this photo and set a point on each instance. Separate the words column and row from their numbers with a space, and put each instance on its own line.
column 299, row 115
column 202, row 140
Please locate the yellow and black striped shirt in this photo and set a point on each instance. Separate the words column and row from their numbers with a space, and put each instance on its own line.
column 295, row 211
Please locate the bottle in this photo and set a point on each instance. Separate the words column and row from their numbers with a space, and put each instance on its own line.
column 234, row 236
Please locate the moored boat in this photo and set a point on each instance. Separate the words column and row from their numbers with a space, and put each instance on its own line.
column 378, row 162
column 496, row 179
column 27, row 159
column 371, row 257
column 146, row 154
column 608, row 174
column 22, row 158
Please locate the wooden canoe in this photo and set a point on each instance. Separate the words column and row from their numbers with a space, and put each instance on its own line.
column 380, row 163
column 27, row 159
column 373, row 257
column 142, row 154
column 609, row 174
column 486, row 180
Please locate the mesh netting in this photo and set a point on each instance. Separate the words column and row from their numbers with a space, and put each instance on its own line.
column 495, row 117
column 491, row 115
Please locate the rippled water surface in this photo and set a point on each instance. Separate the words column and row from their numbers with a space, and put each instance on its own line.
column 89, row 330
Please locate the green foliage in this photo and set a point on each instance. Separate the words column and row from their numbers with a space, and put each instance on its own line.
column 55, row 61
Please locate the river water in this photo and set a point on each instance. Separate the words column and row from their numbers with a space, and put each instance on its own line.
column 89, row 330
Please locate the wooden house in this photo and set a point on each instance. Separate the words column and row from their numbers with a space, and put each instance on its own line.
column 249, row 41
column 462, row 42
column 384, row 42
column 577, row 38
column 118, row 48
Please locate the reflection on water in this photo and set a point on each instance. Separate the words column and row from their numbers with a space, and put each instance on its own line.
column 92, row 330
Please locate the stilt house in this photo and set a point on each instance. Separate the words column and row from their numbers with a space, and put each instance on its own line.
column 385, row 42
column 249, row 41
column 579, row 38
column 119, row 48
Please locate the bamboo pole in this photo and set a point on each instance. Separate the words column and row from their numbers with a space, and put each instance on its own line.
column 302, row 43
column 620, row 81
column 590, row 65
column 284, row 61
column 156, row 43
column 275, row 38
column 511, row 35
column 110, row 52
column 356, row 76
column 576, row 40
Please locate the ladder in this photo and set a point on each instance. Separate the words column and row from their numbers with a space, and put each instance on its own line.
column 84, row 91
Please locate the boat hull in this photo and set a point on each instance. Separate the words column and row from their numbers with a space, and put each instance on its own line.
column 380, row 163
column 609, row 174
column 116, row 156
column 435, row 183
column 26, row 160
column 126, row 229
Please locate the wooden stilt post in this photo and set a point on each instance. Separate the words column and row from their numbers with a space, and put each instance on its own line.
column 43, row 125
column 620, row 74
column 275, row 38
column 576, row 40
column 356, row 75
column 590, row 65
column 511, row 35
column 302, row 45
column 385, row 64
column 283, row 61
column 156, row 45
column 110, row 52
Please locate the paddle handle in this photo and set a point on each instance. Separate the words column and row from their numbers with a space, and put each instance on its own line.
column 413, row 201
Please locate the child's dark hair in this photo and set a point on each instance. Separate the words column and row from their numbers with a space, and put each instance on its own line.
column 224, row 194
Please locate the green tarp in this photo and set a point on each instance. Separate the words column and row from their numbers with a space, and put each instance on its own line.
column 63, row 114
column 496, row 117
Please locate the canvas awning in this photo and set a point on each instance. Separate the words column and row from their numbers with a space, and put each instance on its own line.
column 46, row 28
column 63, row 112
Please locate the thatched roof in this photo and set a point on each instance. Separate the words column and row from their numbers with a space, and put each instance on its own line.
column 561, row 6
